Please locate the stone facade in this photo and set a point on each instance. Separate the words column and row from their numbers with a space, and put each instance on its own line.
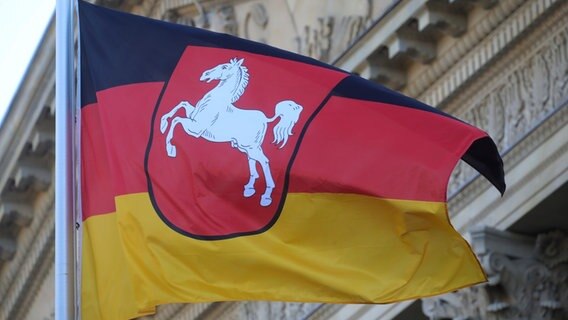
column 499, row 64
column 27, row 193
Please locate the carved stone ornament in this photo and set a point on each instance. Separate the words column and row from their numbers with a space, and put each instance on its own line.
column 528, row 279
column 520, row 102
column 219, row 18
column 256, row 22
column 331, row 35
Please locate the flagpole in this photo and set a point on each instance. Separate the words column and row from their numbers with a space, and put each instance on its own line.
column 64, row 202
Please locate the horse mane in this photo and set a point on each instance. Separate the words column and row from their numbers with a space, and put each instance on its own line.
column 242, row 82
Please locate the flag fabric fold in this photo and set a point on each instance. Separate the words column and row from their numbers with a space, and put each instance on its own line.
column 220, row 169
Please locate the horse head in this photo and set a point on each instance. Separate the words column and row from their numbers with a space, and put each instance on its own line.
column 223, row 71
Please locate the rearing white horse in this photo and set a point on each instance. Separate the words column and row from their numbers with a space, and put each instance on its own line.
column 215, row 118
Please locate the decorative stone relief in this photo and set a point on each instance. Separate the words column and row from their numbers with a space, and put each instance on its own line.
column 520, row 102
column 199, row 20
column 316, row 41
column 255, row 23
column 348, row 28
column 331, row 35
column 223, row 19
column 219, row 18
column 523, row 284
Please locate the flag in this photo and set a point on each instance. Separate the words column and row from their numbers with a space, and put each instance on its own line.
column 219, row 169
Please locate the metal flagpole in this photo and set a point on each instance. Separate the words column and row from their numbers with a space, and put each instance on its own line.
column 64, row 201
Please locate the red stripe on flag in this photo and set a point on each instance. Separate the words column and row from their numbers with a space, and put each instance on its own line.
column 351, row 146
column 114, row 137
column 96, row 180
column 381, row 150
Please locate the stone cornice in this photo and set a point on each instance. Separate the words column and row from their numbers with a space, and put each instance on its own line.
column 378, row 35
column 494, row 42
column 459, row 63
column 23, row 112
column 382, row 53
column 412, row 32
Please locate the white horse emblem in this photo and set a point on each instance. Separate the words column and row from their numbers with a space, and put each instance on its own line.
column 216, row 119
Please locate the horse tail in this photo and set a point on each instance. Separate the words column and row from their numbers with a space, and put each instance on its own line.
column 289, row 113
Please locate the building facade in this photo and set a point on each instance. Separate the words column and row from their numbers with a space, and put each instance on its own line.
column 501, row 65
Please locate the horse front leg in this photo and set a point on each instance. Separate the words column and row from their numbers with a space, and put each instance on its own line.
column 190, row 127
column 164, row 120
column 249, row 187
column 170, row 148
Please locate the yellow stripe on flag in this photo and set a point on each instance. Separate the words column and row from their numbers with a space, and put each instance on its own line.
column 323, row 248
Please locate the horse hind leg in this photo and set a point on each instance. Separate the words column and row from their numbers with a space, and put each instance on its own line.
column 249, row 187
column 258, row 155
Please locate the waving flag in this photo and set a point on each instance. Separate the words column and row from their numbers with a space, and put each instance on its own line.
column 215, row 169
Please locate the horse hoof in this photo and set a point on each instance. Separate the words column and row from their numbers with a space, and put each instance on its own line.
column 171, row 150
column 163, row 125
column 249, row 192
column 265, row 201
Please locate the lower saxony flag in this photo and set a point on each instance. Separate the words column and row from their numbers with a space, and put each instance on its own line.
column 219, row 169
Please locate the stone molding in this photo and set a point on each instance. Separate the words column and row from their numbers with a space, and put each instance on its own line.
column 527, row 279
column 411, row 31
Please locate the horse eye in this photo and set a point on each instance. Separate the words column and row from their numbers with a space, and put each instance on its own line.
column 224, row 67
